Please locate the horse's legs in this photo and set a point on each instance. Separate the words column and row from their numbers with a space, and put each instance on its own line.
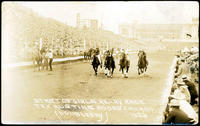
column 109, row 72
column 112, row 71
column 120, row 68
column 138, row 71
column 146, row 68
column 97, row 69
column 127, row 68
column 122, row 72
column 94, row 67
column 105, row 71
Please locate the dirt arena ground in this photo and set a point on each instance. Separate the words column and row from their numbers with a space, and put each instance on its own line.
column 139, row 96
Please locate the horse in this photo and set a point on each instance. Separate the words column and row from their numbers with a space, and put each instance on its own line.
column 142, row 62
column 88, row 54
column 45, row 60
column 37, row 58
column 109, row 65
column 95, row 63
column 124, row 64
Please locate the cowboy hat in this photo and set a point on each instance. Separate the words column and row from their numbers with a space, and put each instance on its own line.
column 177, row 96
column 185, row 77
column 174, row 102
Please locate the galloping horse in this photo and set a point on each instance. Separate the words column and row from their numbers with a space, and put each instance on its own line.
column 109, row 64
column 124, row 64
column 95, row 63
column 142, row 62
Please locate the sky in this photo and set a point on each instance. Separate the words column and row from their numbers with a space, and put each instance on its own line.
column 112, row 14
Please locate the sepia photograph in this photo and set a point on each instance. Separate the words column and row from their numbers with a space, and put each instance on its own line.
column 98, row 62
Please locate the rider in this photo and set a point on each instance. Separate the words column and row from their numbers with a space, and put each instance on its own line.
column 50, row 54
column 123, row 55
column 97, row 53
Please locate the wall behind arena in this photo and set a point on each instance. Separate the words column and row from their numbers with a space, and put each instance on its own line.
column 179, row 45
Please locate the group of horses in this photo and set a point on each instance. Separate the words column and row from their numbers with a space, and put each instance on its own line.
column 106, row 61
column 39, row 58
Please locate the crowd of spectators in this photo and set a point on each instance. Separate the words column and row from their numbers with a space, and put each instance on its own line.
column 72, row 43
column 182, row 107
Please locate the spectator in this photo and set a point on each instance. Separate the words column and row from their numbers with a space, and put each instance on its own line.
column 176, row 115
column 192, row 89
column 188, row 109
column 50, row 54
column 181, row 92
column 182, row 69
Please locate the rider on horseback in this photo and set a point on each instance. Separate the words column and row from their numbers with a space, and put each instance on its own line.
column 144, row 54
column 97, row 51
column 109, row 63
column 95, row 62
column 122, row 56
column 142, row 62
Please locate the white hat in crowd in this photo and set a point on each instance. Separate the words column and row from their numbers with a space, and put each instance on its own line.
column 194, row 49
column 185, row 49
column 180, row 82
column 185, row 77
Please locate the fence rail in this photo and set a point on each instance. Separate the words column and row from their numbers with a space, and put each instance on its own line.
column 54, row 60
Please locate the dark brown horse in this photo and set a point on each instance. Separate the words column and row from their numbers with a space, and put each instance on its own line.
column 109, row 64
column 124, row 65
column 142, row 62
column 95, row 63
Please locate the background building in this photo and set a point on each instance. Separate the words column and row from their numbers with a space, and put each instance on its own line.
column 86, row 23
column 164, row 31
